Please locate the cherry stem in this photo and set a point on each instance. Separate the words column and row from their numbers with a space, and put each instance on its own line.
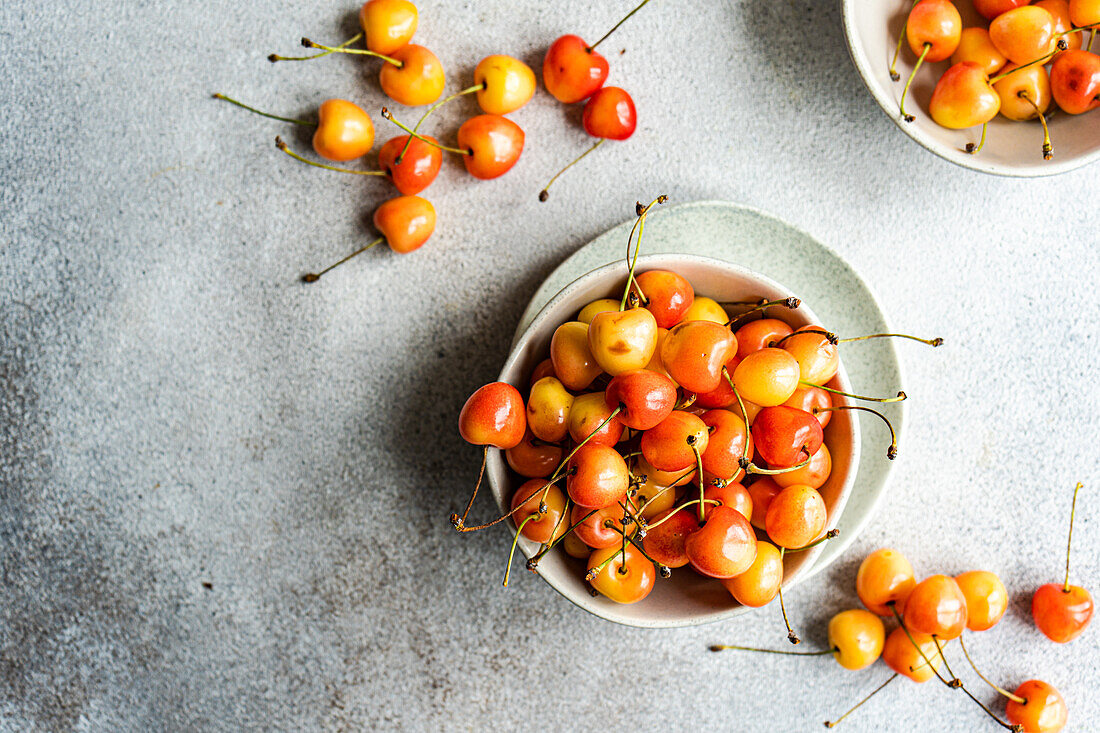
column 791, row 636
column 662, row 569
column 538, row 556
column 356, row 51
column 283, row 146
column 1040, row 61
column 905, row 91
column 312, row 277
column 1069, row 542
column 275, row 57
column 791, row 303
column 946, row 664
column 829, row 336
column 498, row 520
column 724, row 647
column 594, row 572
column 835, row 723
column 931, row 342
column 544, row 194
column 614, row 28
column 646, row 503
column 744, row 415
column 1048, row 149
column 892, row 450
column 639, row 226
column 546, row 545
column 242, row 105
column 901, row 623
column 685, row 505
column 899, row 398
column 974, row 150
column 515, row 541
column 750, row 467
column 702, row 490
column 455, row 519
column 433, row 108
column 825, row 538
column 389, row 116
column 1006, row 693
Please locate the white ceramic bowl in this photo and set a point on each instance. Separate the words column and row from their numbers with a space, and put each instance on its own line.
column 687, row 598
column 1011, row 148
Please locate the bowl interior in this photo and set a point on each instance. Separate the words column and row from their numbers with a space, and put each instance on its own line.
column 1011, row 148
column 687, row 598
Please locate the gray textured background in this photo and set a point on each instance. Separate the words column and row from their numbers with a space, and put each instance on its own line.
column 223, row 493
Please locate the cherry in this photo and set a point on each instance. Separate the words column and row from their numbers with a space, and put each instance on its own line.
column 817, row 356
column 856, row 638
column 417, row 168
column 990, row 9
column 975, row 46
column 986, row 598
column 722, row 395
column 544, row 368
column 624, row 340
column 666, row 537
column 572, row 359
column 936, row 606
column 903, row 655
column 933, row 30
column 759, row 334
column 758, row 585
column 1084, row 12
column 492, row 415
column 1063, row 611
column 795, row 517
column 571, row 70
column 963, row 97
column 533, row 459
column 663, row 478
column 548, row 408
column 406, row 223
column 575, row 547
column 652, row 498
column 494, row 144
column 344, row 131
column 416, row 78
column 1042, row 711
column 705, row 309
column 730, row 494
column 695, row 352
column 591, row 419
column 596, row 476
column 1023, row 34
column 814, row 474
column 626, row 575
column 813, row 400
column 596, row 307
column 725, row 546
column 762, row 491
column 885, row 579
column 1075, row 81
column 767, row 377
column 729, row 442
column 539, row 516
column 655, row 363
column 666, row 295
column 503, row 84
column 1063, row 23
column 785, row 436
column 645, row 398
column 387, row 24
column 599, row 528
column 673, row 444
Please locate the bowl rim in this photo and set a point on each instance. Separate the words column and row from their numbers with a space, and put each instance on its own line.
column 958, row 157
column 496, row 465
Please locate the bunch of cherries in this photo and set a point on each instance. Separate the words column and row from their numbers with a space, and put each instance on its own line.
column 489, row 144
column 936, row 611
column 662, row 433
column 1003, row 67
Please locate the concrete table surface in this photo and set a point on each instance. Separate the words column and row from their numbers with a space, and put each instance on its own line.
column 223, row 494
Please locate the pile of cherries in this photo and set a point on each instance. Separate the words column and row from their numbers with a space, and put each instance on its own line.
column 662, row 433
column 489, row 144
column 936, row 611
column 1003, row 67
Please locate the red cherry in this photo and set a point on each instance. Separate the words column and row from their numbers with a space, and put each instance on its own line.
column 695, row 352
column 596, row 476
column 418, row 167
column 595, row 527
column 733, row 495
column 645, row 398
column 671, row 444
column 1075, row 81
column 664, row 541
column 760, row 334
column 1060, row 614
column 785, row 436
column 494, row 144
column 722, row 395
column 725, row 546
column 571, row 70
column 610, row 114
column 726, row 444
column 493, row 415
column 990, row 9
column 668, row 296
column 1042, row 711
column 936, row 606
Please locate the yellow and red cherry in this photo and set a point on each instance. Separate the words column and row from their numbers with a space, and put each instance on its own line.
column 627, row 576
column 590, row 419
column 936, row 606
column 1084, row 12
column 665, row 540
column 644, row 398
column 344, row 131
column 732, row 495
column 572, row 71
column 986, row 598
column 918, row 663
column 963, row 97
column 884, row 580
column 1043, row 709
column 856, row 637
column 416, row 79
column 387, row 24
column 817, row 357
column 493, row 415
column 596, row 307
column 758, row 585
column 609, row 114
column 990, row 9
column 1023, row 34
column 786, row 436
column 601, row 528
column 651, row 498
column 668, row 296
column 705, row 309
column 695, row 352
column 767, row 377
column 596, row 476
column 663, row 478
column 1062, row 611
column 814, row 474
column 673, row 443
column 418, row 167
column 813, row 400
column 725, row 546
column 795, row 517
column 1075, row 81
column 722, row 395
column 762, row 491
column 726, row 445
column 933, row 30
column 544, row 368
column 760, row 334
column 622, row 341
column 1063, row 22
column 543, row 510
column 506, row 84
column 975, row 47
column 533, row 458
column 492, row 143
column 548, row 407
column 574, row 546
column 573, row 362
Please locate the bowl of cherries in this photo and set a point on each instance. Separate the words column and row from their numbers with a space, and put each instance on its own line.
column 671, row 440
column 1008, row 87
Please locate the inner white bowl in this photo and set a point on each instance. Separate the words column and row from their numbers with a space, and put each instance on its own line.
column 687, row 598
column 1011, row 148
